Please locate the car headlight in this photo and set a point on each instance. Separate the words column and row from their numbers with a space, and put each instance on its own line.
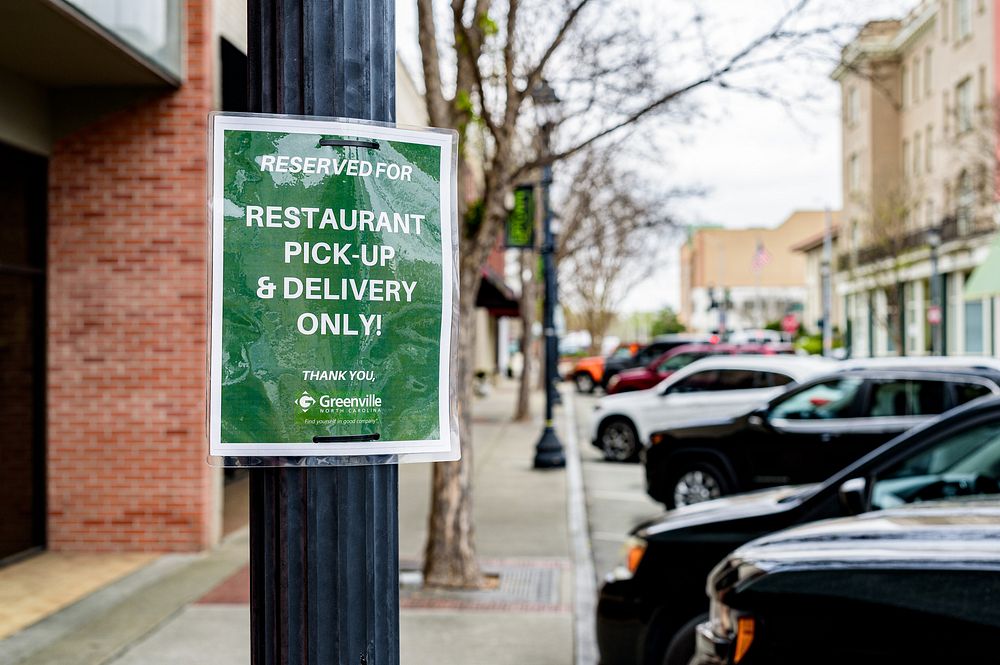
column 633, row 550
column 615, row 380
column 731, row 625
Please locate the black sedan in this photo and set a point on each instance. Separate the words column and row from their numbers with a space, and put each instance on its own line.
column 806, row 434
column 912, row 585
column 654, row 600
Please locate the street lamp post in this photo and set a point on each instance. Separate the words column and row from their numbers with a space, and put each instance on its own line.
column 548, row 451
column 935, row 317
column 827, row 285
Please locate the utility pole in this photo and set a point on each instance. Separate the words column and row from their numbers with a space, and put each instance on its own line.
column 324, row 555
column 827, row 285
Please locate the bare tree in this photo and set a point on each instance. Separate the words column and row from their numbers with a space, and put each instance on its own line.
column 613, row 226
column 528, row 306
column 481, row 61
column 889, row 237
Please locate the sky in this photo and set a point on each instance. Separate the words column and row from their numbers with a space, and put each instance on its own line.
column 757, row 160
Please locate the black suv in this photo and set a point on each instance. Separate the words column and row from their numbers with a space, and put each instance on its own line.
column 655, row 599
column 912, row 585
column 805, row 434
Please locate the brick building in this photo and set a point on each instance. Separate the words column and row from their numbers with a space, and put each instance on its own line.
column 102, row 345
column 103, row 268
column 756, row 270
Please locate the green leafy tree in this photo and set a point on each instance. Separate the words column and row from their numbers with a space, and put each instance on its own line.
column 667, row 323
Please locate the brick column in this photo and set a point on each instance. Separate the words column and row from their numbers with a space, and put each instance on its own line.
column 127, row 316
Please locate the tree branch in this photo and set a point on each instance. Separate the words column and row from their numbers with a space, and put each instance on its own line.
column 535, row 73
column 437, row 107
column 714, row 76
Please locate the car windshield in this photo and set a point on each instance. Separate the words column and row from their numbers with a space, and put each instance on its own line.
column 679, row 361
column 830, row 399
column 963, row 464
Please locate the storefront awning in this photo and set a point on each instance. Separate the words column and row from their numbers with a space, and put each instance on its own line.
column 985, row 279
column 496, row 296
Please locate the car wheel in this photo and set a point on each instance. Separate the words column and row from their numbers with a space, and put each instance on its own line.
column 695, row 482
column 585, row 383
column 681, row 649
column 619, row 441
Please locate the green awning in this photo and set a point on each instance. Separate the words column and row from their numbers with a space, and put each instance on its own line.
column 985, row 279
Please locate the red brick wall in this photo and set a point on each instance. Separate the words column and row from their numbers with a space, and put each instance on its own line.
column 127, row 317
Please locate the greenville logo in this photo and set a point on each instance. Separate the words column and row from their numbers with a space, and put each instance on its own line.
column 306, row 401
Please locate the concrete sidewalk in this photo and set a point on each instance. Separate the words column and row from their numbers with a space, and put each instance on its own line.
column 193, row 609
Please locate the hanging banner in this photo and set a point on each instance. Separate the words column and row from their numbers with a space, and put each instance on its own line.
column 334, row 291
column 520, row 228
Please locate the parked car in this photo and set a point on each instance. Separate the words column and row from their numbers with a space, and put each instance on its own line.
column 912, row 585
column 588, row 372
column 713, row 387
column 645, row 354
column 805, row 434
column 654, row 600
column 642, row 378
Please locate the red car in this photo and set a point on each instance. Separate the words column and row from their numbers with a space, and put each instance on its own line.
column 663, row 366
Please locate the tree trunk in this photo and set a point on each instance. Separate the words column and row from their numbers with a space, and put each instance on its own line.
column 528, row 306
column 450, row 554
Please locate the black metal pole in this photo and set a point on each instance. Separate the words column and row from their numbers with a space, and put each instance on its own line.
column 324, row 542
column 936, row 302
column 549, row 450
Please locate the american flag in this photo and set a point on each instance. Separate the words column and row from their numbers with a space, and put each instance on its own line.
column 761, row 258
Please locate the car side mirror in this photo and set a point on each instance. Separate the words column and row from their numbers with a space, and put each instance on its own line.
column 758, row 418
column 852, row 495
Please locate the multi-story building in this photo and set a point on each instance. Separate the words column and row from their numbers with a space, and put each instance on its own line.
column 919, row 168
column 745, row 278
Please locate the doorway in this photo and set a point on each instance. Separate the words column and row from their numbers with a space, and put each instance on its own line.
column 23, row 219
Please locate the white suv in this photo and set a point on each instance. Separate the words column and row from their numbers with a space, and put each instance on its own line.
column 714, row 387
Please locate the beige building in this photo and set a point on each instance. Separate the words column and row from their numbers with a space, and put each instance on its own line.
column 919, row 150
column 755, row 272
column 812, row 313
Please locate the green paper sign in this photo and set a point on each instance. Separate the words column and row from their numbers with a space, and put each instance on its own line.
column 520, row 230
column 332, row 289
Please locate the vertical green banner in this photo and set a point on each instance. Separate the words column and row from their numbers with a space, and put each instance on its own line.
column 332, row 289
column 520, row 229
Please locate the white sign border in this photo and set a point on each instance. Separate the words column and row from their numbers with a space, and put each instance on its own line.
column 342, row 453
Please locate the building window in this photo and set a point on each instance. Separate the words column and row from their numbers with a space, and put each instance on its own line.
column 928, row 74
column 904, row 76
column 853, row 106
column 966, row 202
column 918, row 152
column 945, row 113
column 974, row 326
column 963, row 106
column 963, row 19
column 982, row 86
column 928, row 152
column 915, row 80
column 906, row 157
column 929, row 213
column 854, row 173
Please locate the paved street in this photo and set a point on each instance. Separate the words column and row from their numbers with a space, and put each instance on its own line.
column 616, row 496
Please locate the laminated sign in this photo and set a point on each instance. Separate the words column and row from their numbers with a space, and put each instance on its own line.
column 334, row 259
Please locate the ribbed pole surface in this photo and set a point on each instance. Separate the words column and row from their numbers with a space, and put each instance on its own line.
column 324, row 560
